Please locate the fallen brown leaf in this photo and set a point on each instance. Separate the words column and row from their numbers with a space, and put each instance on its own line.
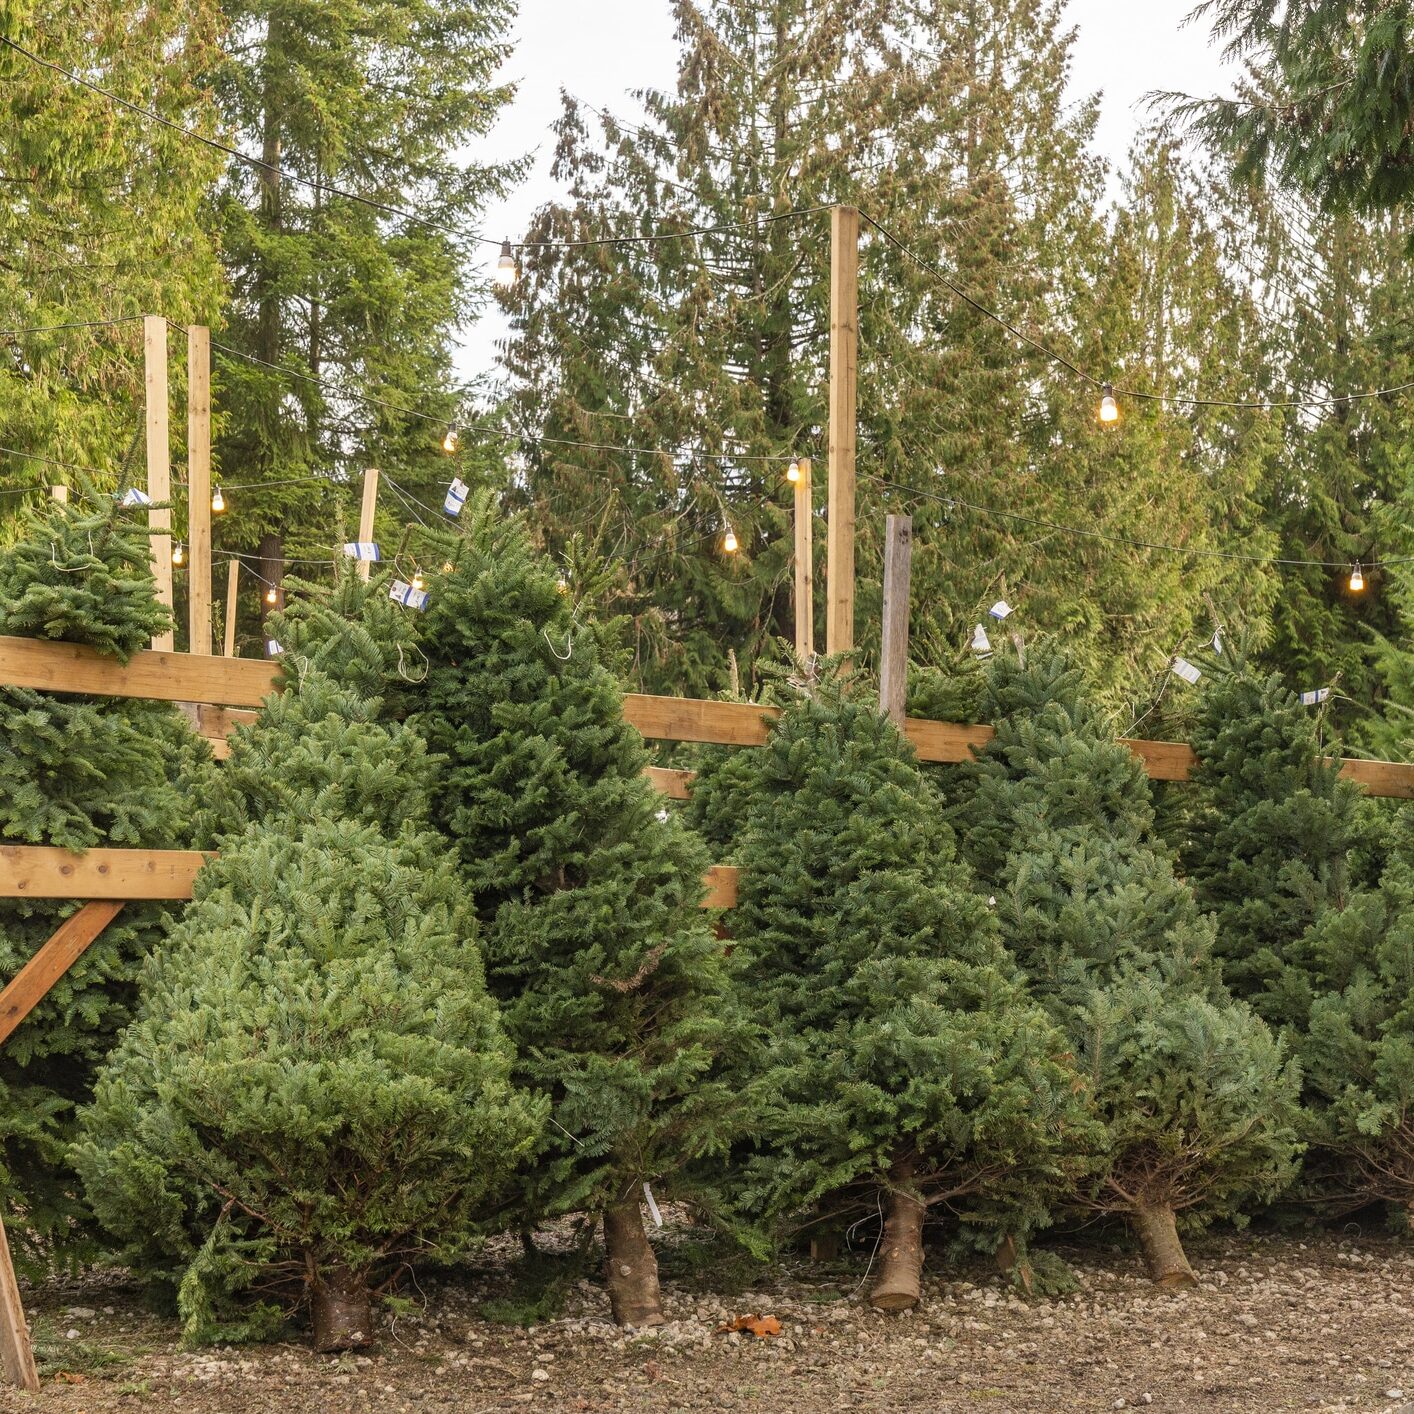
column 761, row 1327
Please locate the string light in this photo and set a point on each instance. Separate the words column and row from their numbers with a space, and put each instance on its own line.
column 218, row 501
column 506, row 267
column 417, row 579
column 1109, row 409
column 179, row 554
column 449, row 442
column 447, row 567
column 1357, row 579
column 271, row 596
column 793, row 471
column 729, row 541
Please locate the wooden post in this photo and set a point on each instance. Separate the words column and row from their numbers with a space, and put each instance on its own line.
column 233, row 584
column 32, row 983
column 804, row 563
column 893, row 656
column 365, row 515
column 60, row 494
column 159, row 463
column 16, row 1354
column 199, row 488
column 844, row 371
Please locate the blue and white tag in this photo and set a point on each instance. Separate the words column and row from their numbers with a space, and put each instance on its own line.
column 456, row 497
column 403, row 593
column 272, row 648
column 362, row 550
column 1317, row 695
column 1182, row 668
column 1000, row 609
column 133, row 497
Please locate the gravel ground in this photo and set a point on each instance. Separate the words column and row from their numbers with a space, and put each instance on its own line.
column 1312, row 1322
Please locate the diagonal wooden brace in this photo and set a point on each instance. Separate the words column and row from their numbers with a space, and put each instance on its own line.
column 32, row 983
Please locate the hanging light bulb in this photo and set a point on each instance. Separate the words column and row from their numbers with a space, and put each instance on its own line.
column 793, row 471
column 447, row 567
column 218, row 501
column 449, row 442
column 1357, row 579
column 1109, row 409
column 179, row 553
column 562, row 585
column 729, row 542
column 271, row 597
column 506, row 267
column 417, row 579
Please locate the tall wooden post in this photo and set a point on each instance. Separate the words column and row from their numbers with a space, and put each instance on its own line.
column 804, row 562
column 16, row 1354
column 233, row 586
column 366, row 512
column 893, row 657
column 199, row 488
column 844, row 372
column 159, row 462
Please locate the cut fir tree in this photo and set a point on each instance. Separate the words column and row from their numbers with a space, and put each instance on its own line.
column 76, row 773
column 317, row 1089
column 1196, row 1098
column 614, row 988
column 907, row 1069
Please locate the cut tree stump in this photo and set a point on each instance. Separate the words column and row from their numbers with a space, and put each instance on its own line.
column 31, row 984
column 16, row 1353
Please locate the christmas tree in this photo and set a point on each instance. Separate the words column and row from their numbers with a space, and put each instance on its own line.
column 76, row 772
column 1197, row 1099
column 1265, row 838
column 906, row 1067
column 317, row 1089
column 614, row 988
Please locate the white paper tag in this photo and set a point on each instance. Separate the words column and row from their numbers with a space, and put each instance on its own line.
column 401, row 592
column 652, row 1205
column 1000, row 609
column 272, row 648
column 1310, row 699
column 456, row 497
column 980, row 642
column 1218, row 641
column 1184, row 669
column 133, row 497
column 362, row 550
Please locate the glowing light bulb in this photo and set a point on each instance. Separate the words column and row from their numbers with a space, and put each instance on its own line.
column 446, row 567
column 271, row 597
column 563, row 585
column 1357, row 579
column 179, row 554
column 218, row 501
column 449, row 442
column 1109, row 409
column 793, row 471
column 506, row 267
column 417, row 579
column 729, row 542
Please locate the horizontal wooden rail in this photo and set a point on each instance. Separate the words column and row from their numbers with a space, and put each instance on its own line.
column 40, row 871
column 246, row 682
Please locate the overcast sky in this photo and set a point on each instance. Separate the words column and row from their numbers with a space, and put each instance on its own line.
column 600, row 50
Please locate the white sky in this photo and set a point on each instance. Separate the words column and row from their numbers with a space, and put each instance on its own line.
column 601, row 49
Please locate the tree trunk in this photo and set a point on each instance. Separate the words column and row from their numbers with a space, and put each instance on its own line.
column 900, row 1284
column 630, row 1268
column 340, row 1310
column 1158, row 1232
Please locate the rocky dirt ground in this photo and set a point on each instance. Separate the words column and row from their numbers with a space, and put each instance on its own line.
column 1320, row 1322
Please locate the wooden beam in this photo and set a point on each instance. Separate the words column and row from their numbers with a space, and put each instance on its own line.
column 32, row 983
column 366, row 513
column 804, row 562
column 16, row 1353
column 844, row 373
column 722, row 884
column 233, row 589
column 692, row 719
column 163, row 677
column 893, row 657
column 199, row 489
column 41, row 871
column 1385, row 778
column 676, row 785
column 159, row 464
column 945, row 741
column 1164, row 760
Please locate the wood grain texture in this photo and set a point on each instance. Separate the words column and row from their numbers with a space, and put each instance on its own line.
column 676, row 785
column 692, row 719
column 722, row 882
column 41, row 871
column 804, row 562
column 16, row 1354
column 844, row 379
column 893, row 652
column 199, row 489
column 157, row 423
column 31, row 984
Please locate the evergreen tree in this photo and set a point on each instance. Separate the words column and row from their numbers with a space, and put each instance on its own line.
column 614, row 988
column 76, row 772
column 1197, row 1099
column 905, row 1065
column 351, row 312
column 100, row 219
column 1266, row 838
column 317, row 1089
